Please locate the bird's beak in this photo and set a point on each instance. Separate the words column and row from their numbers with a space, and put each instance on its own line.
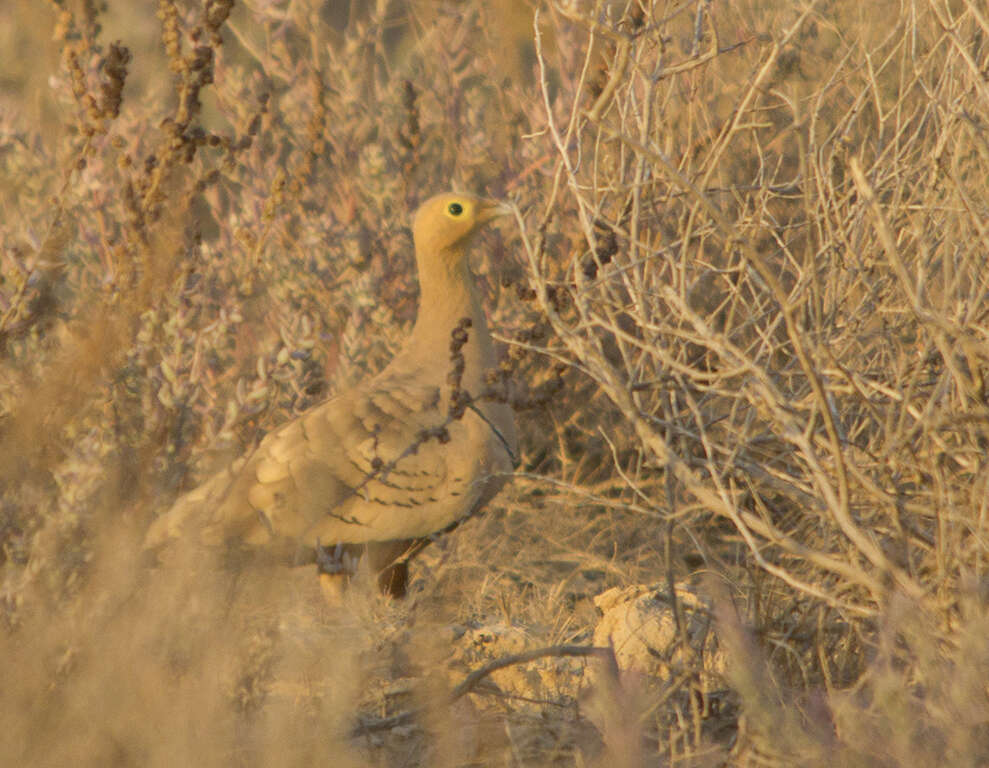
column 491, row 209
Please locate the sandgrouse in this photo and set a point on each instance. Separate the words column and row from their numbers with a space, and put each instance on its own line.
column 381, row 467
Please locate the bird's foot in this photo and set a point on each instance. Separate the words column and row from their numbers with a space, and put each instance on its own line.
column 336, row 566
column 338, row 561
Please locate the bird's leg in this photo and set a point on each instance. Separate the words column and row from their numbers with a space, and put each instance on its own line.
column 336, row 562
column 389, row 562
column 335, row 568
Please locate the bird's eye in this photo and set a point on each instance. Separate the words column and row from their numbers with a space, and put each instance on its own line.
column 455, row 209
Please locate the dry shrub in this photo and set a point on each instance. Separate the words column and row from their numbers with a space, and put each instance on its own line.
column 750, row 244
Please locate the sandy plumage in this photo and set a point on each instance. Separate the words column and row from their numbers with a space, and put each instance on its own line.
column 383, row 464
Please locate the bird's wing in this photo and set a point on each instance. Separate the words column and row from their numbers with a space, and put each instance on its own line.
column 345, row 471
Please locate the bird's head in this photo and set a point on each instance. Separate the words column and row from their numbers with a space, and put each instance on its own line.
column 447, row 221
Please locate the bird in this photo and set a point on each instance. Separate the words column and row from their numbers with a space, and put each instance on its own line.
column 380, row 468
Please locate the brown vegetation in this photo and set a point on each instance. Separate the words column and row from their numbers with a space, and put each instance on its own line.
column 751, row 243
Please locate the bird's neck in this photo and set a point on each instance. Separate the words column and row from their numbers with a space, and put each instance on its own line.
column 448, row 293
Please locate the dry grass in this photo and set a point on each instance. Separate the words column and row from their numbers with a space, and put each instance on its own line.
column 750, row 237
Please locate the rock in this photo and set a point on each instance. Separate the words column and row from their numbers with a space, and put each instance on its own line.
column 555, row 679
column 638, row 622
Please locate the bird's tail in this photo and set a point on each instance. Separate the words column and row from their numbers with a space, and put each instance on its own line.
column 192, row 510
